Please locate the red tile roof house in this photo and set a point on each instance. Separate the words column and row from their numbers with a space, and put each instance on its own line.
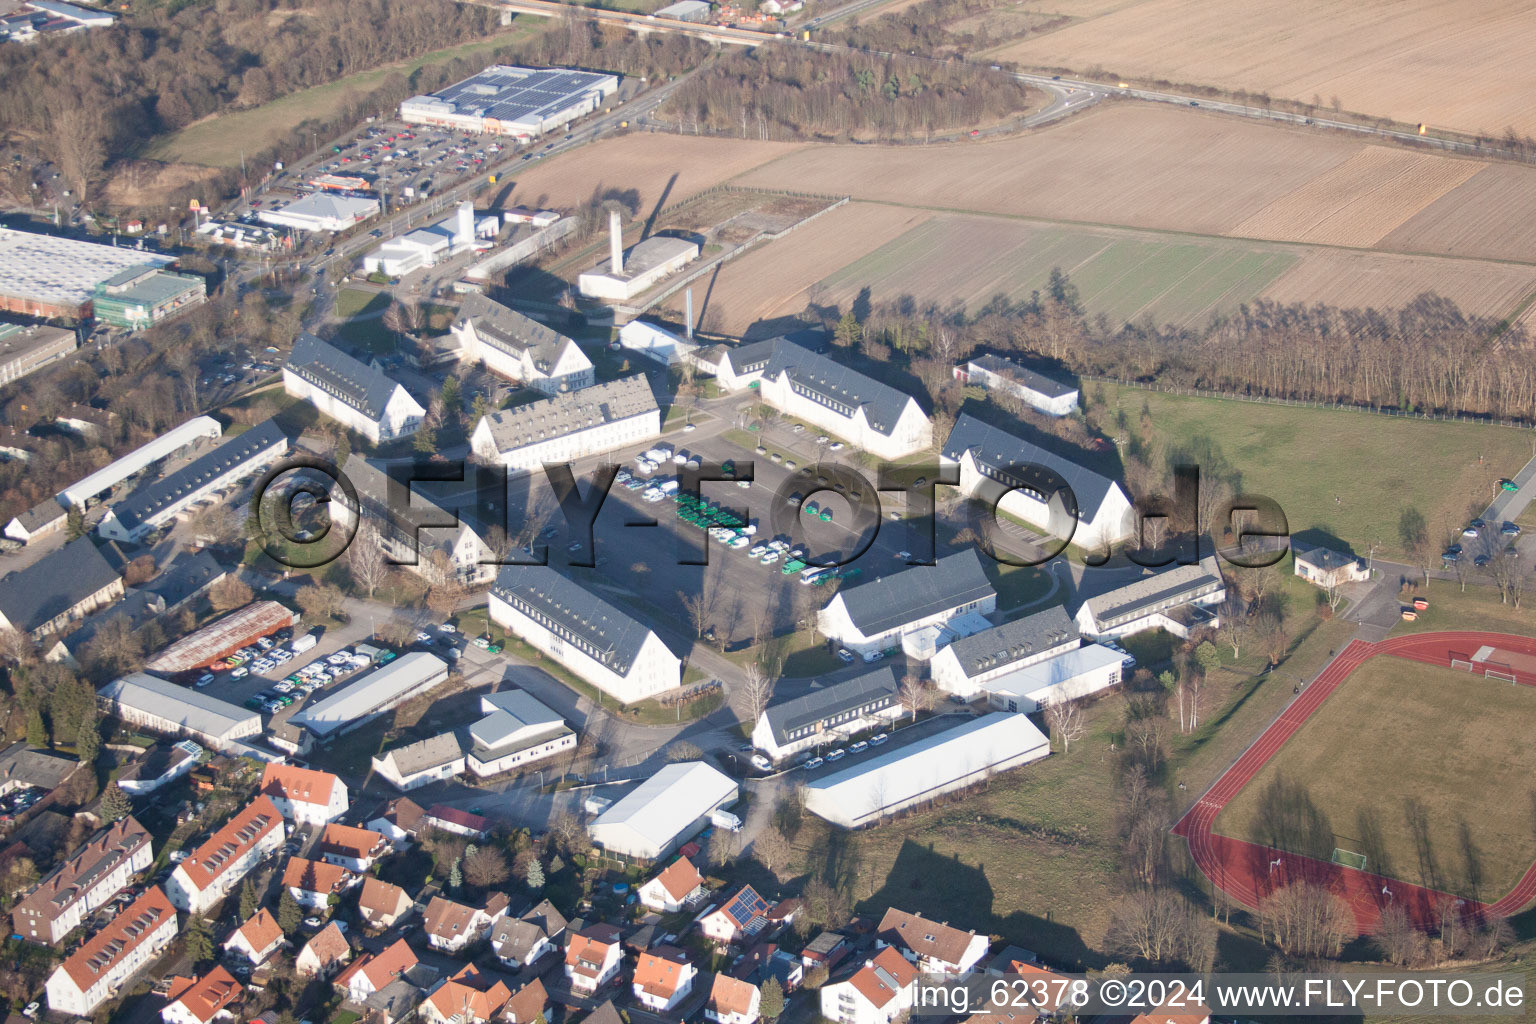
column 92, row 875
column 401, row 820
column 732, row 1001
column 593, row 958
column 314, row 882
column 353, row 848
column 323, row 955
column 213, row 870
column 1191, row 1015
column 451, row 819
column 741, row 917
column 99, row 968
column 303, row 795
column 935, row 948
column 878, row 992
column 468, row 997
column 671, row 889
column 256, row 939
column 380, row 904
column 371, row 973
column 663, row 978
column 451, row 926
column 201, row 1001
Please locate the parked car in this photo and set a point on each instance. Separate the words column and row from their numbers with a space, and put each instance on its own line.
column 879, row 738
column 845, row 656
column 814, row 763
column 859, row 747
column 837, row 755
column 204, row 679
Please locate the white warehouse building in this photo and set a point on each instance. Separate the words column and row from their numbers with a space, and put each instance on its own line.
column 157, row 705
column 321, row 212
column 942, row 763
column 567, row 427
column 507, row 100
column 425, row 247
column 1015, row 476
column 1069, row 676
column 663, row 811
column 1035, row 390
column 608, row 648
column 375, row 693
column 188, row 434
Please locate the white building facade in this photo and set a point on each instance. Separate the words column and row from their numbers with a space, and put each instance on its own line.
column 568, row 427
column 349, row 391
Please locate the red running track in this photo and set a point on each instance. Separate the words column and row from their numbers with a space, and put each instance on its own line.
column 1249, row 871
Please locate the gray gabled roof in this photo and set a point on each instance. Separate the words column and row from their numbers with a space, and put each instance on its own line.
column 432, row 752
column 54, row 584
column 184, row 577
column 513, row 333
column 408, row 510
column 136, row 609
column 878, row 687
column 576, row 615
column 996, row 451
column 564, row 414
column 252, row 446
column 41, row 514
column 1014, row 641
column 918, row 591
column 836, row 386
column 1167, row 589
column 1029, row 378
column 337, row 374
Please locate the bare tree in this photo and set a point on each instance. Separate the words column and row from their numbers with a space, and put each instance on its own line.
column 1331, row 590
column 230, row 592
column 756, row 692
column 915, row 696
column 366, row 561
column 1066, row 720
column 1305, row 919
column 1162, row 927
column 1399, row 941
column 771, row 849
column 485, row 867
column 77, row 132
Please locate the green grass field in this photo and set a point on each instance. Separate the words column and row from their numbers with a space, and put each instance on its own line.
column 221, row 141
column 1124, row 275
column 1342, row 473
column 1470, row 772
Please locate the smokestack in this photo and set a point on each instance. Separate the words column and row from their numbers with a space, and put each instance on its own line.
column 464, row 232
column 615, row 244
column 688, row 314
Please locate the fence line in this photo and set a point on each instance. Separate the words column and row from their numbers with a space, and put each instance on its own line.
column 1236, row 396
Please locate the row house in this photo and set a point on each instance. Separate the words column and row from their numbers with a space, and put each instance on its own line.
column 213, row 870
column 202, row 1000
column 100, row 968
column 74, row 890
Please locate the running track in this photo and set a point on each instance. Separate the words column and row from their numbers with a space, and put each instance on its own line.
column 1248, row 871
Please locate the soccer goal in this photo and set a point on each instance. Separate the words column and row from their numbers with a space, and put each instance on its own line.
column 1461, row 661
column 1502, row 674
column 1349, row 859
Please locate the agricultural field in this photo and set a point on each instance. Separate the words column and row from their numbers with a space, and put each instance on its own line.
column 1470, row 778
column 1445, row 63
column 1345, row 473
column 1124, row 275
column 1343, row 277
column 659, row 167
column 1315, row 187
column 764, row 284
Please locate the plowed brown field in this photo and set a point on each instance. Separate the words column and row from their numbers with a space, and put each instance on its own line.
column 1490, row 215
column 1467, row 66
column 1383, row 280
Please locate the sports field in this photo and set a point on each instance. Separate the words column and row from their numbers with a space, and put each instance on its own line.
column 1451, row 64
column 1426, row 770
column 1124, row 275
column 1346, row 473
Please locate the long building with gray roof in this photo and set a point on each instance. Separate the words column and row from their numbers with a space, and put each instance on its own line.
column 566, row 427
column 608, row 648
column 828, row 715
column 857, row 408
column 1175, row 599
column 350, row 391
column 508, row 343
column 969, row 662
column 508, row 100
column 875, row 616
column 1025, row 481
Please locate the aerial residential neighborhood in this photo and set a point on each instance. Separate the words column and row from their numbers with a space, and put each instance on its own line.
column 763, row 511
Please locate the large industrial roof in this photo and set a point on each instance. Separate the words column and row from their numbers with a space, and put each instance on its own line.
column 166, row 444
column 577, row 616
column 62, row 271
column 997, row 452
column 508, row 93
column 917, row 592
column 253, row 445
column 222, row 636
column 1010, row 370
column 563, row 414
column 863, row 790
column 376, row 690
column 667, row 802
column 189, row 708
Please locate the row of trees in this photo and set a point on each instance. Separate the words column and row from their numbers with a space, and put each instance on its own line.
column 941, row 28
column 780, row 91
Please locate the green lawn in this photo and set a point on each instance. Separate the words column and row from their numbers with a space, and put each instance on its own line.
column 352, row 301
column 1338, row 473
column 1124, row 275
column 1348, row 786
column 221, row 141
